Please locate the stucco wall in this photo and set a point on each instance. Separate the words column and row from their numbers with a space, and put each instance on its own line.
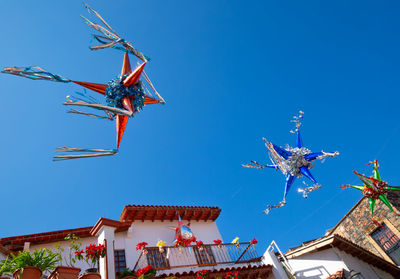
column 368, row 271
column 319, row 265
column 152, row 232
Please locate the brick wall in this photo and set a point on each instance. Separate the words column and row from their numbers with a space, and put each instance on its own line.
column 357, row 224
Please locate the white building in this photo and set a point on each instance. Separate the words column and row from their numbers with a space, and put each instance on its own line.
column 151, row 224
column 334, row 257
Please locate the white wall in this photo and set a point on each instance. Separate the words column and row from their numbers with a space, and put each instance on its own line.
column 368, row 271
column 278, row 272
column 152, row 232
column 319, row 265
column 65, row 244
column 316, row 265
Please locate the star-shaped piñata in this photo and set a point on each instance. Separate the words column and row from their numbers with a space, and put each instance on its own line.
column 125, row 95
column 292, row 162
column 374, row 188
column 124, row 92
column 183, row 234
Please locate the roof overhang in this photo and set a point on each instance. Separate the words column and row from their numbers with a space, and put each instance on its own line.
column 129, row 214
column 16, row 243
column 132, row 213
column 250, row 271
column 119, row 226
column 348, row 247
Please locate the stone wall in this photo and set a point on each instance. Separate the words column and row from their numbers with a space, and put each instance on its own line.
column 357, row 225
column 394, row 198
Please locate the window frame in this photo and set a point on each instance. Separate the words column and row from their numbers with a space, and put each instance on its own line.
column 117, row 261
column 384, row 236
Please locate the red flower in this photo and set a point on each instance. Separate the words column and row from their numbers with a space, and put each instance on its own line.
column 199, row 243
column 78, row 253
column 254, row 242
column 144, row 270
column 184, row 242
column 232, row 275
column 92, row 253
column 201, row 274
column 141, row 245
column 218, row 241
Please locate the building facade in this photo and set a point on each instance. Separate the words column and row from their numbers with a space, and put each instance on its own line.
column 335, row 257
column 382, row 237
column 151, row 224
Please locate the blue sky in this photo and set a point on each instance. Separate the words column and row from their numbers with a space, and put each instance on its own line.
column 230, row 74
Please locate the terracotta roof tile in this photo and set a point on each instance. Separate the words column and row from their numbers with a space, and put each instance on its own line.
column 132, row 213
column 338, row 275
column 263, row 270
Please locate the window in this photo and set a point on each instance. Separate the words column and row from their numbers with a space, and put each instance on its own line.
column 157, row 259
column 120, row 261
column 388, row 241
column 204, row 256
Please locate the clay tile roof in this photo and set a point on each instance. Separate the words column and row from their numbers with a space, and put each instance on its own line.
column 16, row 242
column 129, row 214
column 260, row 271
column 120, row 226
column 338, row 275
column 132, row 213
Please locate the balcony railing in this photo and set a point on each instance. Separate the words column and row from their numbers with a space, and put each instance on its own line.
column 207, row 255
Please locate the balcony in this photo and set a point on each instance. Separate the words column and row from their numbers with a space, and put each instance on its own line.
column 191, row 256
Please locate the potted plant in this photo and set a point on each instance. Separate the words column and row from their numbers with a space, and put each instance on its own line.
column 127, row 274
column 68, row 270
column 5, row 269
column 31, row 265
column 92, row 254
column 147, row 272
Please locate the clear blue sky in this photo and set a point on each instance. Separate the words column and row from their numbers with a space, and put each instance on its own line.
column 231, row 73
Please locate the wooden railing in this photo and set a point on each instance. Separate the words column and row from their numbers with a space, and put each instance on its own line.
column 207, row 255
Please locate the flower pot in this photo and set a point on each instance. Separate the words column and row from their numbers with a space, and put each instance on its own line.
column 65, row 272
column 29, row 272
column 2, row 277
column 90, row 275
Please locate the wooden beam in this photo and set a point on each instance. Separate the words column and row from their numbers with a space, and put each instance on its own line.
column 184, row 214
column 190, row 216
column 154, row 216
column 173, row 215
column 165, row 215
column 199, row 217
column 134, row 215
column 146, row 212
column 208, row 216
